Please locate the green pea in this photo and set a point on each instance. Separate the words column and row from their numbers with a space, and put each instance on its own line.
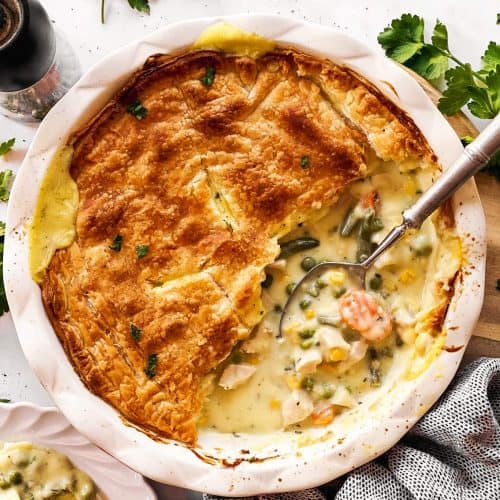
column 308, row 263
column 290, row 287
column 376, row 282
column 278, row 309
column 15, row 478
column 307, row 344
column 304, row 304
column 313, row 290
column 308, row 383
column 338, row 291
column 321, row 283
column 307, row 333
column 327, row 391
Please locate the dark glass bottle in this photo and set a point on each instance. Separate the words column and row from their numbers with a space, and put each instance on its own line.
column 37, row 65
column 29, row 44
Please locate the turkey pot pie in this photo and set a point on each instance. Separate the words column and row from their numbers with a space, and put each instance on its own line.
column 199, row 194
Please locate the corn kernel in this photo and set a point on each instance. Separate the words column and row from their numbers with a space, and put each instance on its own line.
column 275, row 404
column 338, row 354
column 336, row 277
column 309, row 314
column 407, row 276
column 292, row 381
column 291, row 329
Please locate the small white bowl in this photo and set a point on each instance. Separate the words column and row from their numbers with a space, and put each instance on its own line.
column 285, row 461
column 48, row 427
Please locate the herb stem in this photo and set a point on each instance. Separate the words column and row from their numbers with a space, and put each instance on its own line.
column 449, row 55
column 102, row 11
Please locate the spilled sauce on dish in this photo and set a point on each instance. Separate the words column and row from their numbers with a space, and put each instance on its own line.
column 53, row 223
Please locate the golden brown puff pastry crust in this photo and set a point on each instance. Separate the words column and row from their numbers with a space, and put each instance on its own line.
column 208, row 180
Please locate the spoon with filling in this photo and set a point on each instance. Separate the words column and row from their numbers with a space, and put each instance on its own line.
column 474, row 156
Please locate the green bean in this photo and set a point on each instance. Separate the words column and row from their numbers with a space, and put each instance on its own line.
column 308, row 263
column 292, row 247
column 376, row 282
column 329, row 320
column 349, row 222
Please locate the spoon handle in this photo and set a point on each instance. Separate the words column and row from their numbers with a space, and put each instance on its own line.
column 469, row 163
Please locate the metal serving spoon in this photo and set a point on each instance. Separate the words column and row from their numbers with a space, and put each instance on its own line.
column 475, row 155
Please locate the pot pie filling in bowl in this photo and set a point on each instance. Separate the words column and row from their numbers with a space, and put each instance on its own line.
column 170, row 230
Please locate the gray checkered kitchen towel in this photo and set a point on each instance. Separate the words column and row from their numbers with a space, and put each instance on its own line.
column 452, row 453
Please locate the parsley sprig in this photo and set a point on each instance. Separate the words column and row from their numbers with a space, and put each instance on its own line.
column 404, row 42
column 6, row 146
column 139, row 5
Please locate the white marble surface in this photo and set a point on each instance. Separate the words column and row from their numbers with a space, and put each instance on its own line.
column 471, row 26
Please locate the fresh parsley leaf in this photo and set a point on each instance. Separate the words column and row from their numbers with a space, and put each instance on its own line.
column 4, row 306
column 6, row 146
column 491, row 57
column 150, row 369
column 304, row 162
column 140, row 5
column 480, row 104
column 404, row 41
column 208, row 78
column 116, row 245
column 430, row 63
column 137, row 109
column 5, row 177
column 403, row 38
column 141, row 251
column 4, row 400
column 135, row 332
column 457, row 94
column 440, row 36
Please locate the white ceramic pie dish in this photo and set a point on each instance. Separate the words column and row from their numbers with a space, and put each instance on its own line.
column 48, row 427
column 280, row 461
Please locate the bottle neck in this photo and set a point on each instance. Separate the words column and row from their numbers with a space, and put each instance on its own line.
column 27, row 44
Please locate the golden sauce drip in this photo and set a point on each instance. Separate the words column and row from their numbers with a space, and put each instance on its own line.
column 233, row 40
column 53, row 224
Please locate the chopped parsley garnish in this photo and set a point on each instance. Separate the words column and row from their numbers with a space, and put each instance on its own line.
column 404, row 42
column 135, row 332
column 6, row 146
column 208, row 78
column 150, row 370
column 140, row 5
column 137, row 109
column 141, row 251
column 304, row 162
column 117, row 243
column 5, row 177
column 4, row 306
